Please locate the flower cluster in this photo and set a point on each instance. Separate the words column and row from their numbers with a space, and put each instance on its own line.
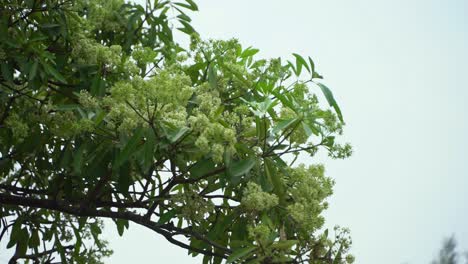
column 19, row 128
column 213, row 136
column 162, row 98
column 254, row 199
column 103, row 14
column 191, row 205
column 308, row 189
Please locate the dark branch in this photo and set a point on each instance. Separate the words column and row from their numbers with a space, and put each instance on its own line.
column 74, row 209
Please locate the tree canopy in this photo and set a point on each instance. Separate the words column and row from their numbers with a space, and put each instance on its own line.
column 104, row 115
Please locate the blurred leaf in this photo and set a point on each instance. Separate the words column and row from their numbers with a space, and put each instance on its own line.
column 331, row 100
column 283, row 125
column 275, row 178
column 78, row 159
column 239, row 168
column 121, row 225
column 312, row 65
column 7, row 71
column 129, row 148
column 125, row 178
column 300, row 62
column 148, row 149
column 337, row 259
column 191, row 5
column 98, row 86
column 212, row 76
column 22, row 242
column 284, row 244
column 239, row 254
column 176, row 134
column 52, row 71
column 201, row 168
column 249, row 52
column 164, row 218
column 188, row 29
column 34, row 240
column 33, row 70
column 184, row 17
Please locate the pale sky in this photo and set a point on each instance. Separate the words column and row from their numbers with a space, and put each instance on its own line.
column 399, row 72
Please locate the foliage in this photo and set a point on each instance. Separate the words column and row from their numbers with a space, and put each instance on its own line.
column 104, row 115
column 448, row 253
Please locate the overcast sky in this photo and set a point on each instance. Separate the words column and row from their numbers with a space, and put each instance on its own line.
column 399, row 72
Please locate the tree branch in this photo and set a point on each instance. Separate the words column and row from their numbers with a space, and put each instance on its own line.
column 74, row 209
column 38, row 255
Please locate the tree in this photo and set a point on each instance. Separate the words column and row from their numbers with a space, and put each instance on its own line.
column 104, row 115
column 448, row 253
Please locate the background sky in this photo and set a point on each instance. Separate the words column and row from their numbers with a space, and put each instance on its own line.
column 399, row 72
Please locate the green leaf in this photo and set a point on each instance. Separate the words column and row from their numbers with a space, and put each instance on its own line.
column 49, row 25
column 239, row 168
column 22, row 239
column 300, row 62
column 34, row 240
column 184, row 17
column 315, row 75
column 331, row 100
column 275, row 178
column 284, row 244
column 164, row 218
column 207, row 259
column 52, row 71
column 312, row 65
column 60, row 249
column 325, row 233
column 15, row 233
column 121, row 225
column 98, row 86
column 79, row 242
column 67, row 107
column 212, row 76
column 148, row 149
column 129, row 148
column 266, row 105
column 125, row 178
column 291, row 65
column 95, row 229
column 7, row 71
column 285, row 124
column 175, row 135
column 309, row 129
column 284, row 99
column 261, row 126
column 282, row 259
column 191, row 5
column 33, row 70
column 78, row 159
column 249, row 52
column 187, row 29
column 238, row 254
column 227, row 157
column 201, row 168
column 82, row 221
column 99, row 117
column 338, row 259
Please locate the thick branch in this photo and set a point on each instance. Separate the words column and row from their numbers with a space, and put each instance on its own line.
column 162, row 229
